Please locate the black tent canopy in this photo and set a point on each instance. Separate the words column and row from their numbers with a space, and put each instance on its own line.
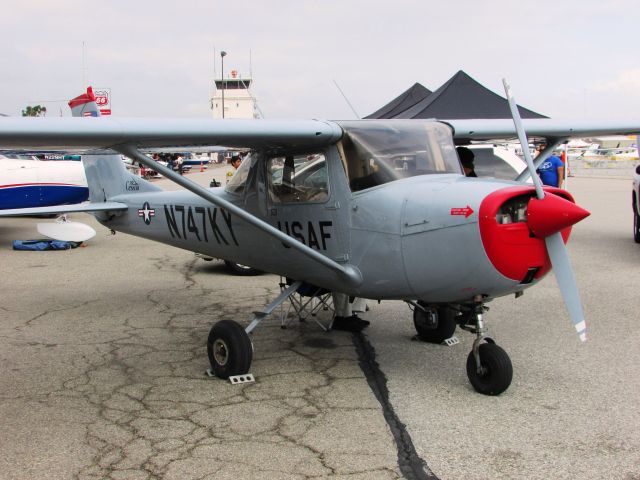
column 460, row 97
column 402, row 102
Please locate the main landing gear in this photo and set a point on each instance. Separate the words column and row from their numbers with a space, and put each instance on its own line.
column 488, row 366
column 229, row 347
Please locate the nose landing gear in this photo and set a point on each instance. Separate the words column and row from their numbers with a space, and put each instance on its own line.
column 488, row 366
column 489, row 369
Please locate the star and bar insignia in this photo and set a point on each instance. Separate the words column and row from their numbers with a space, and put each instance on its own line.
column 146, row 213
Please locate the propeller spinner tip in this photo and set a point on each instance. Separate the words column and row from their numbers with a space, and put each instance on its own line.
column 552, row 214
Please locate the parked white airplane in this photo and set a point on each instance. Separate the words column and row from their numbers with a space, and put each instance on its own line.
column 27, row 182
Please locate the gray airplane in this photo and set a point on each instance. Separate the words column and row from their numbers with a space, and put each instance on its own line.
column 378, row 209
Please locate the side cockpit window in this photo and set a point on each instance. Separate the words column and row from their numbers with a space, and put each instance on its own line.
column 300, row 178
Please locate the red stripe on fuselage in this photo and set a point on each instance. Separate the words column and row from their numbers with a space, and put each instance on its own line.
column 40, row 185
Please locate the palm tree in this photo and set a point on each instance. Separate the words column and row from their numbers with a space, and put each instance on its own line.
column 35, row 111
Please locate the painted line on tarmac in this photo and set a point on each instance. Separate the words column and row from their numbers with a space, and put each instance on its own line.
column 411, row 465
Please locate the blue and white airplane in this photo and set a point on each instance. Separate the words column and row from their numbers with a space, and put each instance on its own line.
column 27, row 182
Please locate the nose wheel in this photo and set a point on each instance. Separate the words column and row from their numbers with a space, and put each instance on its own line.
column 488, row 366
column 492, row 374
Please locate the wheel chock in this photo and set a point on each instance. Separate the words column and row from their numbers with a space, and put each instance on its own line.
column 246, row 378
column 234, row 379
column 449, row 342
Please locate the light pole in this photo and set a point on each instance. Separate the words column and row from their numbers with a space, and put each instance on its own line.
column 222, row 55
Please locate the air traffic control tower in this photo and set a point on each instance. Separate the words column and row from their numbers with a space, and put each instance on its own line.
column 238, row 101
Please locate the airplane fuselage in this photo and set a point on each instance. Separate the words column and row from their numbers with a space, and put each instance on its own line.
column 27, row 183
column 417, row 238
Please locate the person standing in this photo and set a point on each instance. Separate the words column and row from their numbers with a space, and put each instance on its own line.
column 551, row 171
column 179, row 161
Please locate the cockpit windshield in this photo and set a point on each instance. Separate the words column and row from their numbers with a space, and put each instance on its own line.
column 381, row 151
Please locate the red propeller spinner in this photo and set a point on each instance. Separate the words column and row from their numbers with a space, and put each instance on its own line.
column 552, row 214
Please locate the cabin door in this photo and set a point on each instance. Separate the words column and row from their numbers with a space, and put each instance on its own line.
column 303, row 203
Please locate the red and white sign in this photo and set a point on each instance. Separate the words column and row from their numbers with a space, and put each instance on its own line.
column 466, row 211
column 103, row 100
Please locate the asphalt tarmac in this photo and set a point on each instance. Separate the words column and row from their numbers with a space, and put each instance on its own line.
column 103, row 357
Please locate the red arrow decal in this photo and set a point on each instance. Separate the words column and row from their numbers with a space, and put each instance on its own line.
column 466, row 211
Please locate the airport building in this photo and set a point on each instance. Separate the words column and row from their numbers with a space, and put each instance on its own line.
column 234, row 92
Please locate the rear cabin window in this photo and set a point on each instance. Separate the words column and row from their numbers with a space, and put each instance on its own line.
column 300, row 178
column 381, row 151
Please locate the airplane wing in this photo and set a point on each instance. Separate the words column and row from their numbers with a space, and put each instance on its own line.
column 104, row 133
column 127, row 136
column 83, row 134
column 484, row 129
column 78, row 207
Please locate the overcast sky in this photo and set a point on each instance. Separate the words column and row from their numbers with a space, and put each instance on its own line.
column 563, row 58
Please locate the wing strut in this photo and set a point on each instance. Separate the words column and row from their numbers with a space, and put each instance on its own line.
column 349, row 272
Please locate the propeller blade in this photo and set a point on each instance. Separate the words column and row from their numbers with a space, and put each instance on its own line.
column 555, row 245
column 522, row 136
column 567, row 282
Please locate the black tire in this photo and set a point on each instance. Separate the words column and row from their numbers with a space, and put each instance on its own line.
column 498, row 370
column 229, row 349
column 445, row 328
column 240, row 269
column 636, row 224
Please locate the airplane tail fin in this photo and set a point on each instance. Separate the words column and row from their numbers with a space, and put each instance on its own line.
column 106, row 174
column 108, row 177
column 84, row 105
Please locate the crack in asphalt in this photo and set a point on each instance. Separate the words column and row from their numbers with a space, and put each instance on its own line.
column 412, row 466
column 149, row 412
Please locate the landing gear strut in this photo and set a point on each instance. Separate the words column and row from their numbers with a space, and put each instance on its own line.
column 488, row 366
column 229, row 347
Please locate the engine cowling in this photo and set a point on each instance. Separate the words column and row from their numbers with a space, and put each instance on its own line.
column 513, row 224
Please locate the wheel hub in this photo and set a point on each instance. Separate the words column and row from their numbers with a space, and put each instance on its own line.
column 220, row 351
